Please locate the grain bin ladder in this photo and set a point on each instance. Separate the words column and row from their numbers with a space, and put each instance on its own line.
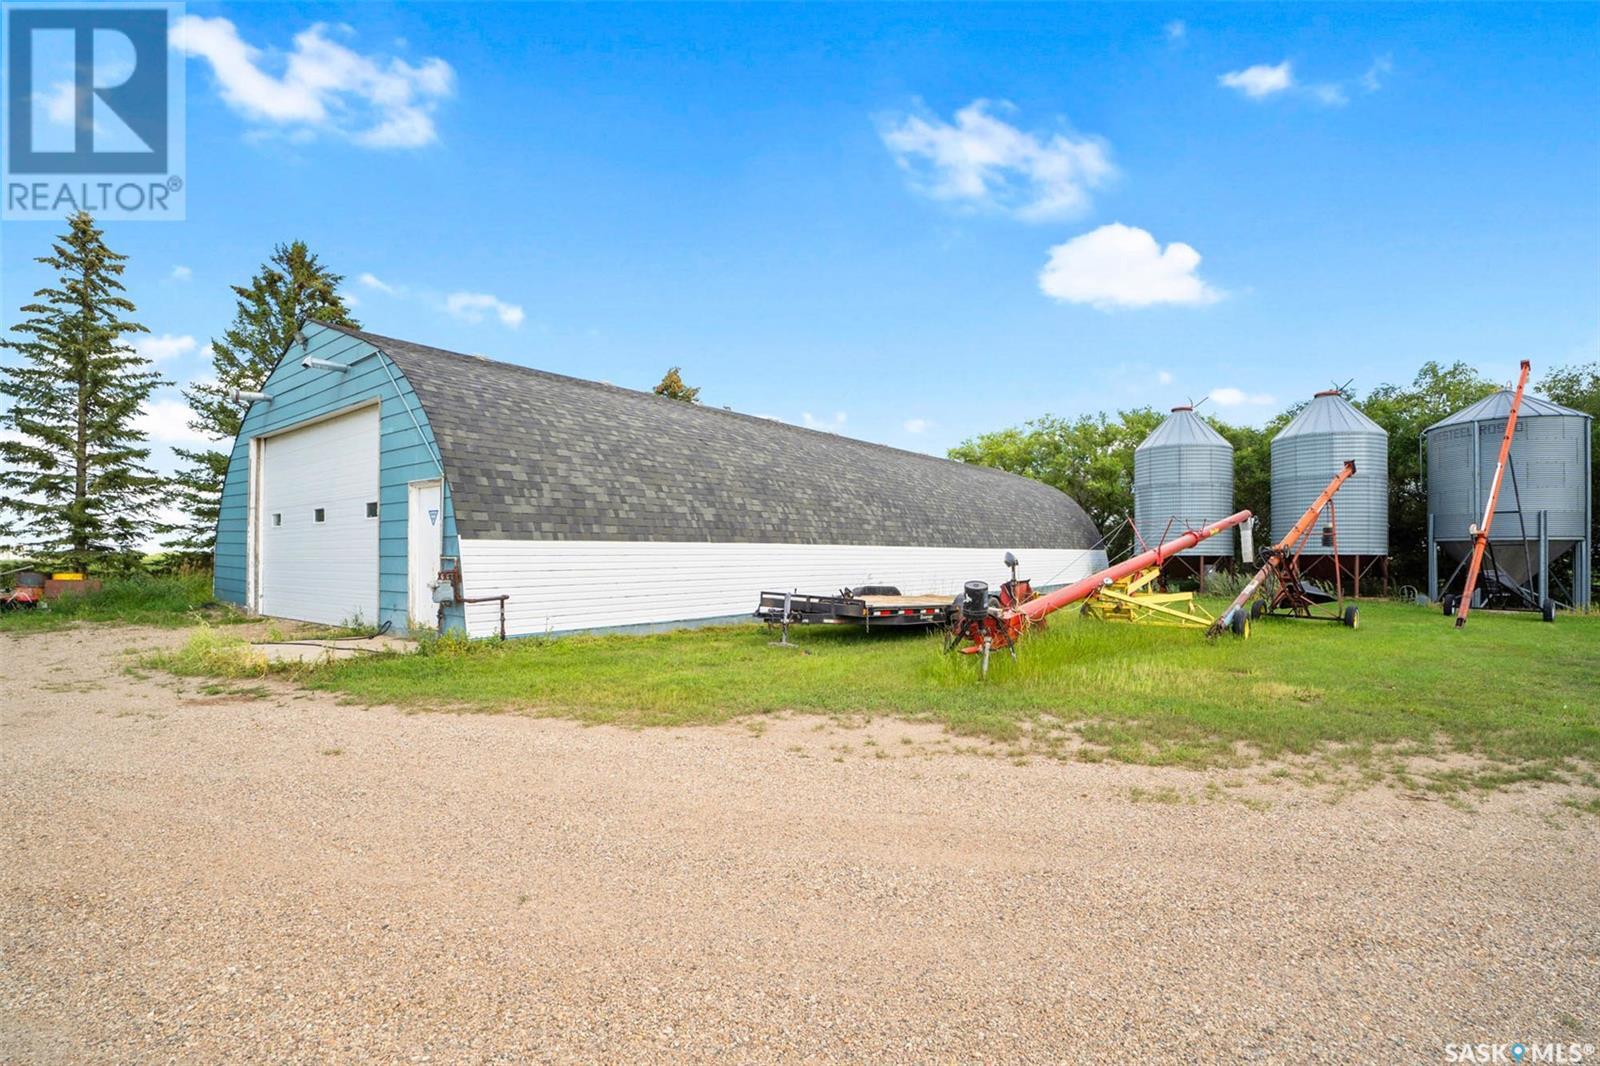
column 1283, row 562
column 1480, row 533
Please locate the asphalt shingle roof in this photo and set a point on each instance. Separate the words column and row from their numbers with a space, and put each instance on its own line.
column 537, row 456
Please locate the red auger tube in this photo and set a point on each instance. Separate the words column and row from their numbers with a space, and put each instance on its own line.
column 1078, row 590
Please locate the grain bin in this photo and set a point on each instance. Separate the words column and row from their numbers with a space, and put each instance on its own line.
column 1305, row 456
column 1183, row 479
column 1549, row 476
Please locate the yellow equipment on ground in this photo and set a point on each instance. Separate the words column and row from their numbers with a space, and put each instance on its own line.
column 1131, row 599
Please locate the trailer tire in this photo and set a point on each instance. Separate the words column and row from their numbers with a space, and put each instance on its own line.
column 1352, row 617
column 1547, row 610
column 1239, row 625
column 1449, row 603
column 1257, row 609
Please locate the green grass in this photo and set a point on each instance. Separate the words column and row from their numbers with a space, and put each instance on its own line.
column 143, row 599
column 1588, row 806
column 1508, row 689
column 210, row 653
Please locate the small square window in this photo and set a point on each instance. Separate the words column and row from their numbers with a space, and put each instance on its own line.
column 277, row 519
column 318, row 515
column 372, row 509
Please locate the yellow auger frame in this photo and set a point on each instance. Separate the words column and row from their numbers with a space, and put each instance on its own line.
column 1129, row 600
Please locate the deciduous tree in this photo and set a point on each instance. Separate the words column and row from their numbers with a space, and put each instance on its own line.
column 673, row 388
column 1090, row 458
column 1578, row 387
column 1404, row 411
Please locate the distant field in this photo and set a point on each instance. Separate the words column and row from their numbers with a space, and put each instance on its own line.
column 1509, row 690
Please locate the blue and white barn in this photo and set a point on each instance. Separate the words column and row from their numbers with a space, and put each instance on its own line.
column 588, row 506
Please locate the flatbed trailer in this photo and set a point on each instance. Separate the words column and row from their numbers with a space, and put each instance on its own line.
column 871, row 606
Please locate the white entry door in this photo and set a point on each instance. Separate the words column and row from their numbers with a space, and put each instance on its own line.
column 425, row 543
column 317, row 521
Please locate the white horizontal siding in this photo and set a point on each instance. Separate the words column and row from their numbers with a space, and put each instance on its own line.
column 563, row 585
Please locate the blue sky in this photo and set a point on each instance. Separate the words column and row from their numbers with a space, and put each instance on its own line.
column 910, row 224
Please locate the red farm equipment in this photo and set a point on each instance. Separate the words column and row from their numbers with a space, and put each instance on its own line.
column 1289, row 592
column 26, row 592
column 1480, row 532
column 981, row 625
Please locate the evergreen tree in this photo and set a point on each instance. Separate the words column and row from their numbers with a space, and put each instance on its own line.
column 74, row 470
column 673, row 388
column 290, row 288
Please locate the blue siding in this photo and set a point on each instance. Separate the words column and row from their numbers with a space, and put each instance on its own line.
column 407, row 453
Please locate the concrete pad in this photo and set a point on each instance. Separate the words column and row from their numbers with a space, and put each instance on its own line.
column 310, row 651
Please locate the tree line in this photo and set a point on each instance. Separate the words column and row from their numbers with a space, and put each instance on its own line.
column 1091, row 457
column 77, row 491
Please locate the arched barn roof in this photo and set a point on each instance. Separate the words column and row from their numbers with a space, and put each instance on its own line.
column 537, row 456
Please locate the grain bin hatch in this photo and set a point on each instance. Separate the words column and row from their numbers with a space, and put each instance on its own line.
column 1182, row 480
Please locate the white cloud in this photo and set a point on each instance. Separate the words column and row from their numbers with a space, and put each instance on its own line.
column 166, row 421
column 160, row 347
column 1120, row 266
column 324, row 86
column 1176, row 31
column 983, row 161
column 474, row 306
column 1228, row 396
column 916, row 425
column 1329, row 93
column 1260, row 81
column 1372, row 79
column 833, row 425
column 1163, row 377
column 466, row 306
column 181, row 273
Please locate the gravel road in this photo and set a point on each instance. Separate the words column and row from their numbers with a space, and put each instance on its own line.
column 202, row 878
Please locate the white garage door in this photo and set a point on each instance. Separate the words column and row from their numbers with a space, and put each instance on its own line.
column 317, row 522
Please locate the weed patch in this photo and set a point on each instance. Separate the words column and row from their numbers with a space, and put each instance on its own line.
column 208, row 653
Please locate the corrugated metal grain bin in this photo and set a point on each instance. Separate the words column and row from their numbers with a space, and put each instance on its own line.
column 1549, row 472
column 1306, row 455
column 1182, row 479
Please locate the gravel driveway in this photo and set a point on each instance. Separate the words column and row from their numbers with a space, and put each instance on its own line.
column 214, row 878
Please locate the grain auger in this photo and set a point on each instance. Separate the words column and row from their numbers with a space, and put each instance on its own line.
column 983, row 625
column 1291, row 593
